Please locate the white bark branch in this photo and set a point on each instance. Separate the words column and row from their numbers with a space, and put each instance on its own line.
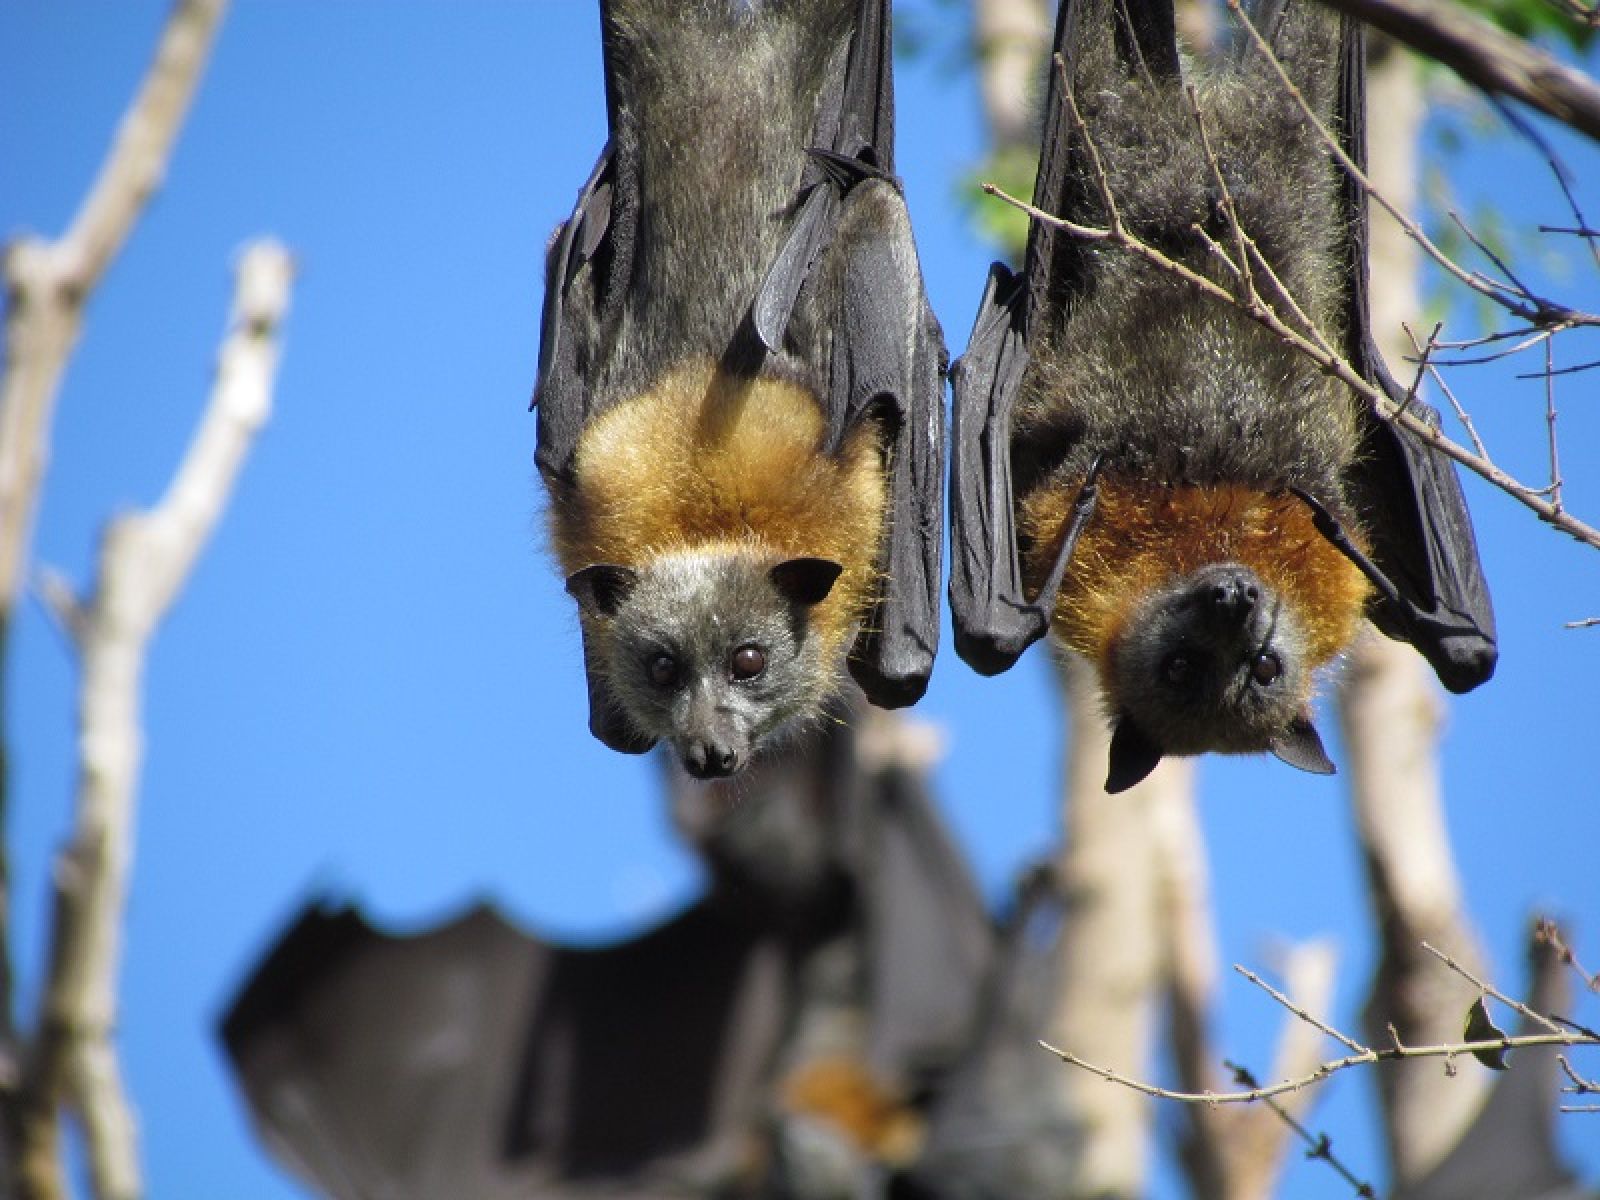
column 47, row 283
column 145, row 557
column 1111, row 972
column 1391, row 715
column 1011, row 38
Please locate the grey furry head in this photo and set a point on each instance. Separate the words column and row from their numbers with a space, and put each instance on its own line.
column 1213, row 662
column 710, row 652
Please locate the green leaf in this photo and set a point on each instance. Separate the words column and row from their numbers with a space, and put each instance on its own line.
column 1529, row 19
column 1480, row 1028
column 1000, row 223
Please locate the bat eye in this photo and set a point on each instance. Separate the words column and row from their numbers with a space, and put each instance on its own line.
column 663, row 669
column 1177, row 669
column 748, row 662
column 1266, row 669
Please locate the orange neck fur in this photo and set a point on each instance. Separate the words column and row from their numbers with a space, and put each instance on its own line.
column 1144, row 534
column 706, row 462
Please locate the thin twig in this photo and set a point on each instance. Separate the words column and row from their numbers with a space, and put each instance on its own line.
column 1488, row 252
column 1579, row 369
column 1321, row 1144
column 1550, row 425
column 1549, row 1020
column 1531, row 340
column 1529, row 307
column 1580, row 1085
column 1242, row 271
column 1330, row 363
column 1426, row 362
column 1487, row 339
column 1558, row 168
column 1547, row 931
column 1393, row 1053
column 1347, row 1042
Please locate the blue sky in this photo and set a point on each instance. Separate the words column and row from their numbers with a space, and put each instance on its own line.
column 371, row 685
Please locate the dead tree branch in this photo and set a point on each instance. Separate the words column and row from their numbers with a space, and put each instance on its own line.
column 48, row 283
column 47, row 286
column 145, row 557
column 1535, row 310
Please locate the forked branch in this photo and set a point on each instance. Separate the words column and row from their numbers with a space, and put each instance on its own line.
column 144, row 559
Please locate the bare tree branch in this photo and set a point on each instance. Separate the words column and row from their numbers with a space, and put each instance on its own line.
column 145, row 557
column 1111, row 968
column 48, row 282
column 1390, row 712
column 47, row 285
column 1536, row 310
column 1485, row 56
column 1578, row 1087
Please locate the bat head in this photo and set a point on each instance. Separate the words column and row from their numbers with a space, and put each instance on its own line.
column 710, row 651
column 1215, row 661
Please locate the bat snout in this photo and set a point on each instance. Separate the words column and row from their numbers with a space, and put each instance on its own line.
column 709, row 759
column 1234, row 598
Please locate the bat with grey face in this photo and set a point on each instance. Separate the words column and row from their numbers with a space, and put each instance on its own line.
column 741, row 424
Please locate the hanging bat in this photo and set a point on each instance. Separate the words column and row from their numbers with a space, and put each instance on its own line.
column 740, row 382
column 722, row 1053
column 1180, row 497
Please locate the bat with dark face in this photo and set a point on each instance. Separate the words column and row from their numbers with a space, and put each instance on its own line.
column 1139, row 468
column 741, row 425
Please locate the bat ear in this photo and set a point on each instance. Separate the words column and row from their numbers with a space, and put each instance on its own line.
column 601, row 589
column 805, row 581
column 1300, row 746
column 1133, row 755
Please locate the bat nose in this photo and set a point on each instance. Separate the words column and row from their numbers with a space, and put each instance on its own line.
column 1235, row 596
column 710, row 760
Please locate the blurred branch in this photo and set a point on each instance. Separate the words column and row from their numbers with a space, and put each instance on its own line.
column 1011, row 37
column 1110, row 969
column 1548, row 932
column 47, row 285
column 145, row 557
column 1390, row 713
column 1485, row 56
